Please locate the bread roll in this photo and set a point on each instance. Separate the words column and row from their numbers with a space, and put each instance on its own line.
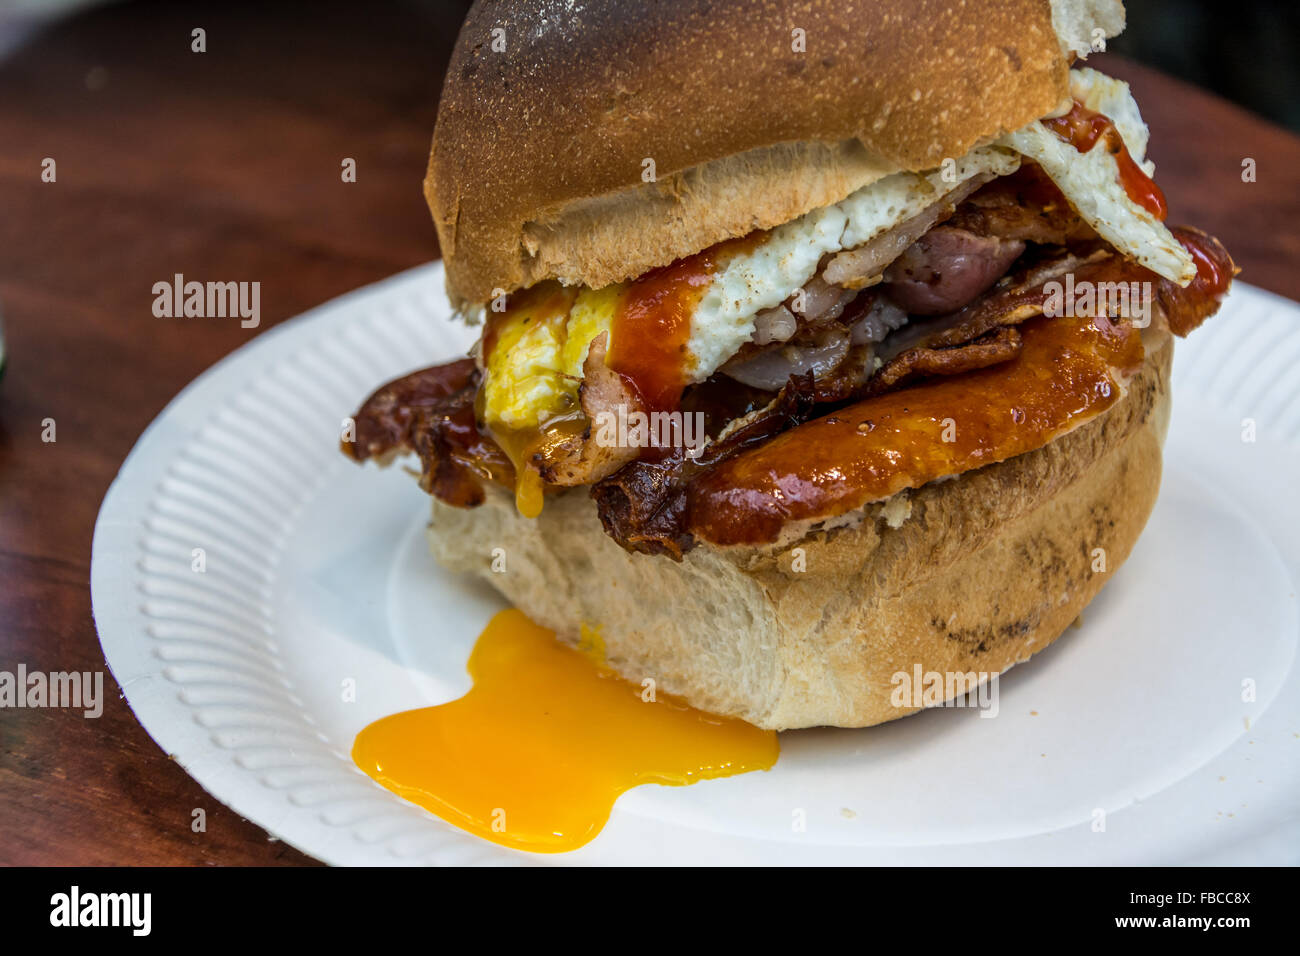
column 753, row 113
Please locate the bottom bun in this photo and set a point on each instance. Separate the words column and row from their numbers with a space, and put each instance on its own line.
column 970, row 574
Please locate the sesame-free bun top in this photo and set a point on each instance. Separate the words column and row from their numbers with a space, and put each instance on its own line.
column 592, row 140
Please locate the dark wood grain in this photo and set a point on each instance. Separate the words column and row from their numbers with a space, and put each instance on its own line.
column 225, row 165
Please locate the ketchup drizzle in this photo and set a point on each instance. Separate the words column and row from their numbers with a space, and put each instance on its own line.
column 1082, row 128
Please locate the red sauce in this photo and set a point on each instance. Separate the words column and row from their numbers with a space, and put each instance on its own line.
column 869, row 451
column 1082, row 129
column 1214, row 267
column 652, row 324
column 1186, row 307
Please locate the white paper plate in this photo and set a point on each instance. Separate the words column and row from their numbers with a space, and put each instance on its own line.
column 316, row 573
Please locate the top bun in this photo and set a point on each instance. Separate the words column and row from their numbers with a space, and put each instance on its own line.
column 753, row 112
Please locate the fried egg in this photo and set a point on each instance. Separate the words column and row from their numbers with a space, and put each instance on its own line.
column 534, row 364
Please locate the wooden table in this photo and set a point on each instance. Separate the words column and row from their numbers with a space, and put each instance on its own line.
column 226, row 165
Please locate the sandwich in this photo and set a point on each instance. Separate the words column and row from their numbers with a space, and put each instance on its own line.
column 820, row 342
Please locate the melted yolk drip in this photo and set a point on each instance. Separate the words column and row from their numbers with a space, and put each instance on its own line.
column 526, row 448
column 534, row 756
column 520, row 448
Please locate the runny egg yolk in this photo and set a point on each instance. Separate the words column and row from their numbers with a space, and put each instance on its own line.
column 534, row 756
column 534, row 353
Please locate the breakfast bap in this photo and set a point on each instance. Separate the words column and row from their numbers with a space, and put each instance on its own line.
column 816, row 345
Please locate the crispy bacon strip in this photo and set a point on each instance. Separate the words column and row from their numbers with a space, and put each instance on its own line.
column 990, row 349
column 383, row 425
column 1026, row 205
column 642, row 505
column 431, row 413
column 1186, row 308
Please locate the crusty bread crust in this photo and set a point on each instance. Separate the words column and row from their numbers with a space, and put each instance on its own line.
column 538, row 160
column 980, row 572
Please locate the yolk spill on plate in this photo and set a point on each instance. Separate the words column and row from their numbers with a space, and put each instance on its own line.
column 534, row 756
